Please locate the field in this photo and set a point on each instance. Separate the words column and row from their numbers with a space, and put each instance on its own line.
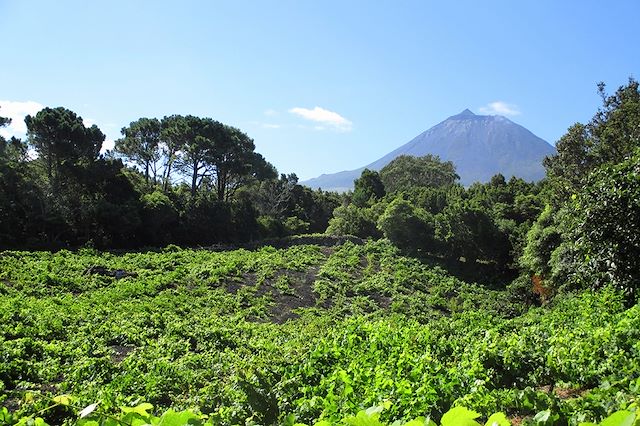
column 302, row 333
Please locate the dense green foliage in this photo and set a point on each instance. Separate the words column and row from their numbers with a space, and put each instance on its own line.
column 367, row 188
column 588, row 235
column 307, row 331
column 484, row 223
column 602, row 228
column 457, row 416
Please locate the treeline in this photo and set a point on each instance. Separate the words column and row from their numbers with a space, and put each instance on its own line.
column 418, row 204
column 182, row 179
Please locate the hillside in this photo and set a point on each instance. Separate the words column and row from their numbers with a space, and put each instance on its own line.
column 310, row 331
column 480, row 146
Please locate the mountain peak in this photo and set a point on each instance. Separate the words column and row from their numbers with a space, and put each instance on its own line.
column 466, row 112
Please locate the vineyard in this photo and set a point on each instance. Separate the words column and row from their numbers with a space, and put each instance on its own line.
column 306, row 334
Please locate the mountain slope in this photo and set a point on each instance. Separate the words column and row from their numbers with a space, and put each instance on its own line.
column 479, row 145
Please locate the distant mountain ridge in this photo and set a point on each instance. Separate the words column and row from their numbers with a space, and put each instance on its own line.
column 480, row 146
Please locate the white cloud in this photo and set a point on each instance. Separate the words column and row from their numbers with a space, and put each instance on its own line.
column 270, row 112
column 271, row 126
column 325, row 117
column 500, row 108
column 88, row 122
column 107, row 144
column 17, row 111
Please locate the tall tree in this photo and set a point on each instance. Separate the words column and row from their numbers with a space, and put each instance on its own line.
column 232, row 161
column 609, row 138
column 173, row 135
column 141, row 145
column 595, row 168
column 198, row 136
column 60, row 138
column 17, row 193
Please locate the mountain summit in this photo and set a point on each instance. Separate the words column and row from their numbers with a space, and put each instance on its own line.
column 465, row 113
column 480, row 146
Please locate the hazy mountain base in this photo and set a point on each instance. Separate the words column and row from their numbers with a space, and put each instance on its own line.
column 360, row 324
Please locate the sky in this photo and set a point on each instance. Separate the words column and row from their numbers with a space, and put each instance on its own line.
column 321, row 86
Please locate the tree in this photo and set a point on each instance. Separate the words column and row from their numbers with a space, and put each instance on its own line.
column 602, row 231
column 314, row 206
column 407, row 171
column 102, row 206
column 407, row 226
column 60, row 139
column 199, row 136
column 211, row 153
column 232, row 161
column 367, row 187
column 542, row 239
column 577, row 246
column 609, row 138
column 352, row 220
column 615, row 128
column 571, row 163
column 465, row 230
column 173, row 135
column 141, row 145
column 262, row 170
column 159, row 218
column 18, row 194
column 273, row 197
column 12, row 150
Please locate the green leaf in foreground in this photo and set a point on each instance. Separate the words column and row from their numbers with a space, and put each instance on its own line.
column 141, row 409
column 460, row 416
column 498, row 419
column 621, row 418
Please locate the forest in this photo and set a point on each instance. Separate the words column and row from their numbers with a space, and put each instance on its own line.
column 179, row 279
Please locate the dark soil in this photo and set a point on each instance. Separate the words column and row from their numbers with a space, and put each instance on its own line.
column 120, row 352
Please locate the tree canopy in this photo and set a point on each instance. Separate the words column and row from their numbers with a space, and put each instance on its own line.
column 141, row 145
column 368, row 187
column 407, row 171
column 61, row 139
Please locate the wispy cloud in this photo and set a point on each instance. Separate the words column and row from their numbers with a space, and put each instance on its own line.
column 17, row 111
column 325, row 117
column 271, row 126
column 500, row 108
column 270, row 112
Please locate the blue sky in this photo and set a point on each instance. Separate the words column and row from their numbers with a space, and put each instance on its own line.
column 321, row 86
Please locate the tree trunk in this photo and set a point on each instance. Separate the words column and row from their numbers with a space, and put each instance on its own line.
column 220, row 185
column 167, row 178
column 194, row 179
